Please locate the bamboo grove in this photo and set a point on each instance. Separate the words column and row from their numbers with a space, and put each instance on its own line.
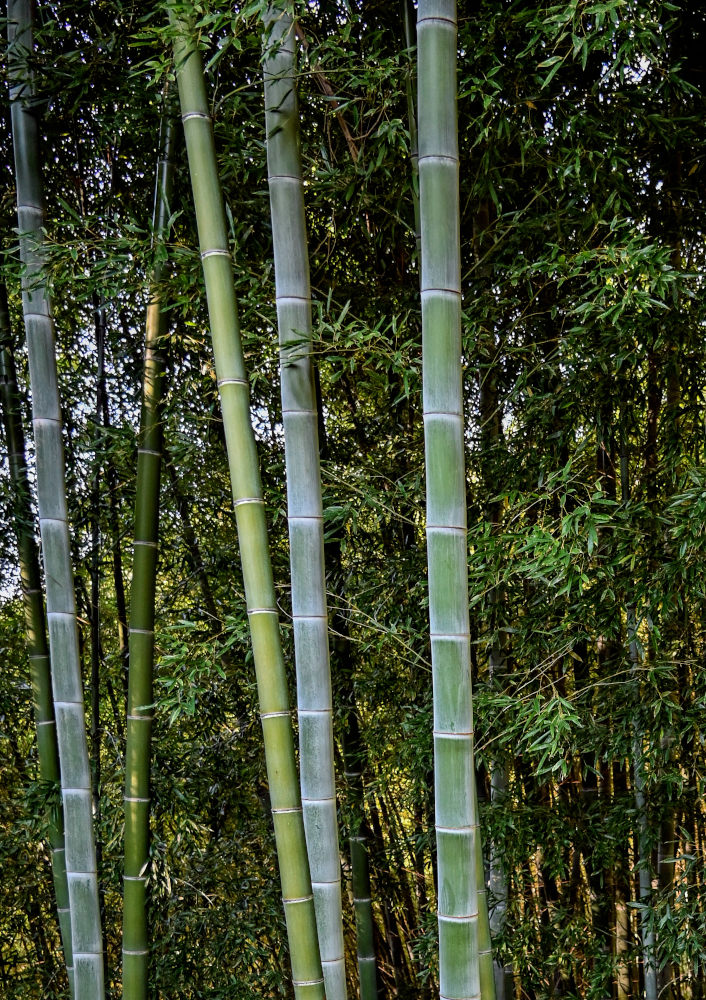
column 292, row 756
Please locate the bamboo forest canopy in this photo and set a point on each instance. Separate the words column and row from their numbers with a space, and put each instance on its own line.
column 581, row 131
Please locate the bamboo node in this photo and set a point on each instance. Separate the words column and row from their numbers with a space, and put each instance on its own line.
column 293, row 298
column 438, row 158
column 195, row 114
column 214, row 252
column 433, row 290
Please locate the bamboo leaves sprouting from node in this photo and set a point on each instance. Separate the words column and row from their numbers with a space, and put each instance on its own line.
column 465, row 960
column 35, row 622
column 142, row 605
column 250, row 517
column 87, row 944
column 304, row 504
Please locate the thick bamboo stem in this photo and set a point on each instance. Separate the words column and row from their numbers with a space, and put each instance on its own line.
column 81, row 872
column 35, row 622
column 250, row 518
column 465, row 959
column 304, row 504
column 142, row 609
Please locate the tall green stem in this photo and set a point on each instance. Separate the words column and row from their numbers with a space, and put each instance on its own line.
column 304, row 504
column 35, row 623
column 647, row 934
column 142, row 605
column 465, row 961
column 250, row 518
column 51, row 492
column 411, row 44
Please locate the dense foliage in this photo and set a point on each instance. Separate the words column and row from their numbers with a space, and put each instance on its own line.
column 582, row 137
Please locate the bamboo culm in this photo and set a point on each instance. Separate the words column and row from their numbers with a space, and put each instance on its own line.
column 142, row 607
column 250, row 517
column 304, row 504
column 465, row 959
column 647, row 934
column 82, row 880
column 35, row 621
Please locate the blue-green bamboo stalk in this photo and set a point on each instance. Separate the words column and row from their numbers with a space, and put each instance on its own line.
column 81, row 874
column 465, row 959
column 35, row 621
column 304, row 504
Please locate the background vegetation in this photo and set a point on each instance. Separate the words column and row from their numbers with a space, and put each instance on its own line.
column 582, row 178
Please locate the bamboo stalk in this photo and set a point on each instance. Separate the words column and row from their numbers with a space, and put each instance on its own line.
column 649, row 963
column 465, row 960
column 142, row 607
column 411, row 44
column 250, row 518
column 353, row 756
column 647, row 935
column 87, row 945
column 35, row 622
column 304, row 504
